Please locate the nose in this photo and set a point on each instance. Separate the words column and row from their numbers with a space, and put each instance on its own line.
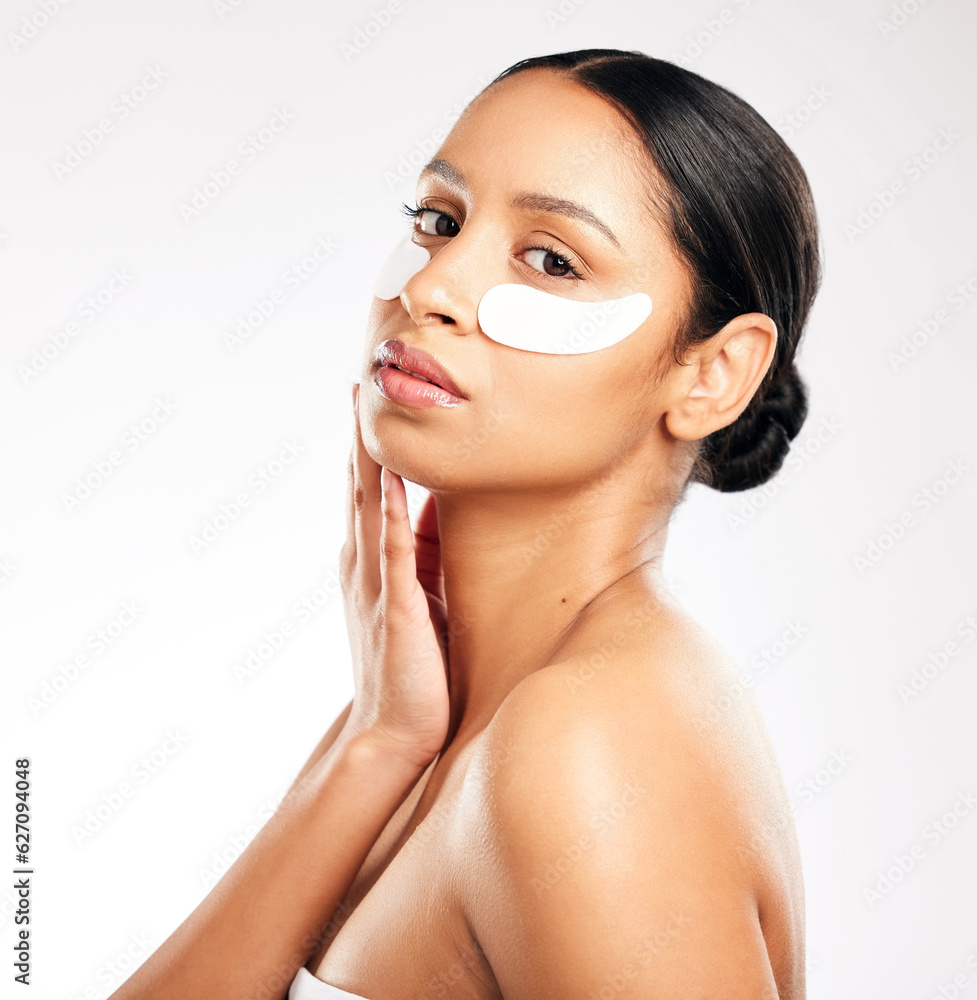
column 443, row 292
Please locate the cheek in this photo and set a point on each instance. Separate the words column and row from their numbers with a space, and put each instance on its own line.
column 570, row 416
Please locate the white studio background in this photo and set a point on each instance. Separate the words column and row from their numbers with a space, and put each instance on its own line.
column 843, row 588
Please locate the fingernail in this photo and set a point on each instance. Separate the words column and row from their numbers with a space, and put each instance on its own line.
column 385, row 478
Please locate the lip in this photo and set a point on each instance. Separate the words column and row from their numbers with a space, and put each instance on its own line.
column 414, row 361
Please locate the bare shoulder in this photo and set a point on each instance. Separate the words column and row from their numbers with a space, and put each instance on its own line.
column 654, row 696
column 612, row 809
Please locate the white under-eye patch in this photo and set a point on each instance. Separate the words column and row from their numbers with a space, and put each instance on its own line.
column 528, row 318
column 534, row 320
column 405, row 260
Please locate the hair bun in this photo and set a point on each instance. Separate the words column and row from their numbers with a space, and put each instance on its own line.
column 752, row 449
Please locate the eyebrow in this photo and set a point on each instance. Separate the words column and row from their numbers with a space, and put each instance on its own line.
column 530, row 202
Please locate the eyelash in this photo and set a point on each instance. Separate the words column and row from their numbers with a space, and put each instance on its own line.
column 413, row 211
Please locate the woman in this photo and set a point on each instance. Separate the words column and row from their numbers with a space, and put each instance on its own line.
column 542, row 787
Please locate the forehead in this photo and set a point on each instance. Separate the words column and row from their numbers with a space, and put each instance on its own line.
column 540, row 131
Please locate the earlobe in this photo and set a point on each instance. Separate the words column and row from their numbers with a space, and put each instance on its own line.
column 728, row 368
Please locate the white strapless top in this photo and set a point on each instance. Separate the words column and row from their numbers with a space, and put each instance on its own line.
column 305, row 986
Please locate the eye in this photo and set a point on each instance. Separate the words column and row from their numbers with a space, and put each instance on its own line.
column 550, row 262
column 546, row 260
column 431, row 222
column 436, row 223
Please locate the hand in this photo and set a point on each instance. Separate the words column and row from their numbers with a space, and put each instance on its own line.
column 393, row 593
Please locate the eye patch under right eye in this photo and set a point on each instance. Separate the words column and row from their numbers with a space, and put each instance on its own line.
column 406, row 259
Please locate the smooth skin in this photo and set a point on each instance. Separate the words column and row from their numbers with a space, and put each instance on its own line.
column 550, row 783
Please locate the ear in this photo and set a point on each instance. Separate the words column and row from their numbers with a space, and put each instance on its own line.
column 722, row 375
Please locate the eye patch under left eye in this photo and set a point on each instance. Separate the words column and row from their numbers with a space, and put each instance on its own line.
column 533, row 320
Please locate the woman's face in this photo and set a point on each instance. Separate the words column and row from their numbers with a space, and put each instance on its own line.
column 530, row 420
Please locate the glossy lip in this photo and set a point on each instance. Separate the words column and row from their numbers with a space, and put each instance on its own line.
column 394, row 354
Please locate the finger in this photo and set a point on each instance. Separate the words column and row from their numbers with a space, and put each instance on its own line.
column 398, row 571
column 427, row 549
column 365, row 505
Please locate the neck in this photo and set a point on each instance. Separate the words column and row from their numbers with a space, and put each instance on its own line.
column 522, row 570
